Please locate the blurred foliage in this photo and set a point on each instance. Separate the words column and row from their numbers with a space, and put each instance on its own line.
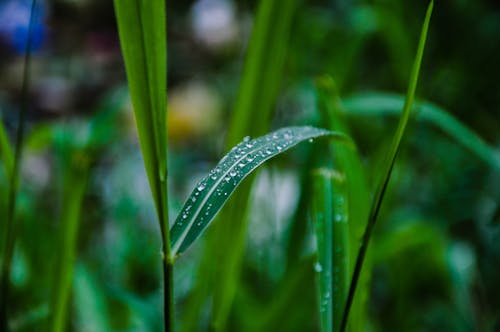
column 436, row 251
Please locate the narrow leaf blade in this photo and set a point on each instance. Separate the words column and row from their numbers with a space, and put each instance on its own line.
column 370, row 104
column 388, row 165
column 213, row 191
column 329, row 214
column 142, row 31
column 6, row 151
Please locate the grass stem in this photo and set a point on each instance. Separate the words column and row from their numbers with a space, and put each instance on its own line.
column 391, row 158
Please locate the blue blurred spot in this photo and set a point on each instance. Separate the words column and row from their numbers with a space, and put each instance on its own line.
column 14, row 25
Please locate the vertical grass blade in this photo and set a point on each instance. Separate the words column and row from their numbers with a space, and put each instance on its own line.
column 141, row 26
column 13, row 170
column 6, row 152
column 391, row 157
column 348, row 161
column 329, row 214
column 73, row 194
column 142, row 31
column 259, row 87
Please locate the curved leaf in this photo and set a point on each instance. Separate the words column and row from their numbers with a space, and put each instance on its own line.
column 213, row 191
column 390, row 104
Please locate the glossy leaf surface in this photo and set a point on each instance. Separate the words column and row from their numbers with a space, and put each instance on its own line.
column 213, row 191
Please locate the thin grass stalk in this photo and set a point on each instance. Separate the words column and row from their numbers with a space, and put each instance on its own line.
column 391, row 157
column 73, row 194
column 9, row 231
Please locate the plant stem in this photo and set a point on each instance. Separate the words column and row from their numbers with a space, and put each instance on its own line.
column 391, row 158
column 9, row 235
column 168, row 296
column 168, row 264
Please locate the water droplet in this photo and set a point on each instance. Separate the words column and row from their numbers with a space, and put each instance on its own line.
column 318, row 267
column 310, row 140
column 279, row 147
column 268, row 151
column 193, row 199
column 241, row 165
column 233, row 173
column 246, row 139
column 201, row 187
column 227, row 178
column 184, row 216
column 249, row 145
column 250, row 158
column 213, row 177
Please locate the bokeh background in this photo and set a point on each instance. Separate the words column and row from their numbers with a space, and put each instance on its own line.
column 436, row 252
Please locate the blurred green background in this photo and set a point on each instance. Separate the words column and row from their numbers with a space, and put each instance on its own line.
column 436, row 251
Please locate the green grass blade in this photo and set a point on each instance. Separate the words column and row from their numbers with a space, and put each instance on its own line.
column 393, row 152
column 213, row 191
column 142, row 31
column 278, row 314
column 262, row 73
column 76, row 183
column 89, row 301
column 259, row 87
column 329, row 214
column 6, row 152
column 348, row 161
column 371, row 104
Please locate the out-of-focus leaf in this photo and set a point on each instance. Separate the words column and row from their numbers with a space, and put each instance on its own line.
column 389, row 163
column 391, row 104
column 6, row 152
column 90, row 303
column 213, row 191
column 74, row 192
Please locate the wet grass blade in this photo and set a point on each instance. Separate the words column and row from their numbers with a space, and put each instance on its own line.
column 371, row 104
column 387, row 170
column 348, row 161
column 214, row 190
column 260, row 83
column 329, row 214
